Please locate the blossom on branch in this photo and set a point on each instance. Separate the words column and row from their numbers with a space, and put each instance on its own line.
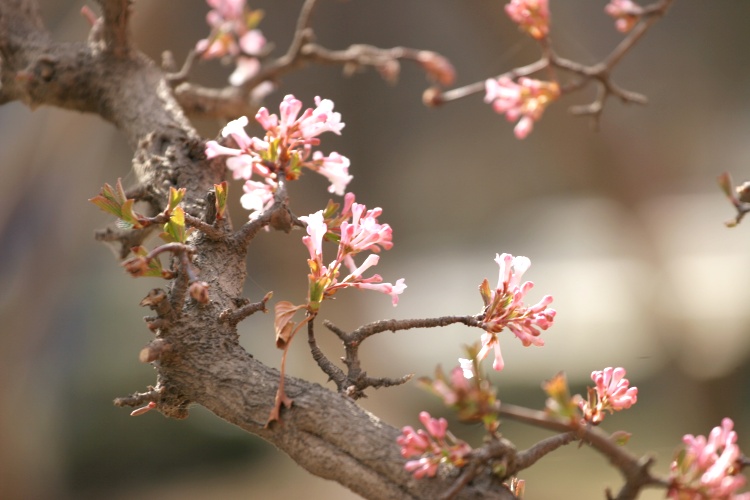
column 708, row 467
column 612, row 393
column 233, row 35
column 532, row 16
column 356, row 230
column 284, row 151
column 524, row 101
column 473, row 397
column 433, row 447
column 626, row 14
column 504, row 308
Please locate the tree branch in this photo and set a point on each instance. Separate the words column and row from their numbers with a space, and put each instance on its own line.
column 324, row 432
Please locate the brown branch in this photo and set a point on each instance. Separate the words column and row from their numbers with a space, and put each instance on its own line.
column 356, row 380
column 124, row 238
column 212, row 232
column 636, row 471
column 529, row 457
column 334, row 373
column 233, row 317
column 599, row 73
column 138, row 398
column 116, row 14
column 231, row 102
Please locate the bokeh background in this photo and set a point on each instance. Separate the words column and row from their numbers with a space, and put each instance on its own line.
column 624, row 227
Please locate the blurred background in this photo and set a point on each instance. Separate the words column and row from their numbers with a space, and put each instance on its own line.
column 623, row 226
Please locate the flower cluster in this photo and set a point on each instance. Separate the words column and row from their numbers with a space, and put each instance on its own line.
column 283, row 152
column 612, row 393
column 233, row 34
column 524, row 101
column 434, row 447
column 356, row 229
column 708, row 467
column 532, row 16
column 473, row 398
column 625, row 12
column 504, row 307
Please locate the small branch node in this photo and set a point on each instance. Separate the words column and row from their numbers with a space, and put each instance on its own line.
column 154, row 350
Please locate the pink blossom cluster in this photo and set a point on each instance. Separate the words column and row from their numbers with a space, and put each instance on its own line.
column 283, row 152
column 358, row 231
column 532, row 16
column 524, row 101
column 233, row 35
column 504, row 308
column 433, row 447
column 625, row 12
column 612, row 393
column 473, row 398
column 708, row 467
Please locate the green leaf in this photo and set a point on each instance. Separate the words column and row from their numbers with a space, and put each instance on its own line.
column 222, row 190
column 253, row 18
column 128, row 215
column 113, row 201
column 174, row 230
column 486, row 292
column 175, row 197
column 621, row 438
column 331, row 208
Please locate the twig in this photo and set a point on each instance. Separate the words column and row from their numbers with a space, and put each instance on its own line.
column 242, row 312
column 600, row 72
column 356, row 380
column 529, row 457
column 635, row 470
column 116, row 14
column 212, row 232
column 138, row 398
column 335, row 373
column 127, row 238
column 467, row 475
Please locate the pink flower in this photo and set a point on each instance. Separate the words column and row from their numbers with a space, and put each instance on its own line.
column 434, row 447
column 252, row 42
column 364, row 232
column 335, row 168
column 524, row 101
column 243, row 161
column 246, row 68
column 532, row 16
column 626, row 13
column 423, row 467
column 359, row 231
column 435, row 426
column 394, row 290
column 316, row 230
column 232, row 35
column 504, row 307
column 285, row 150
column 708, row 467
column 611, row 394
column 258, row 196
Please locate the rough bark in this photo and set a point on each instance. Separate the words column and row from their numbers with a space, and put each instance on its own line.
column 326, row 433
